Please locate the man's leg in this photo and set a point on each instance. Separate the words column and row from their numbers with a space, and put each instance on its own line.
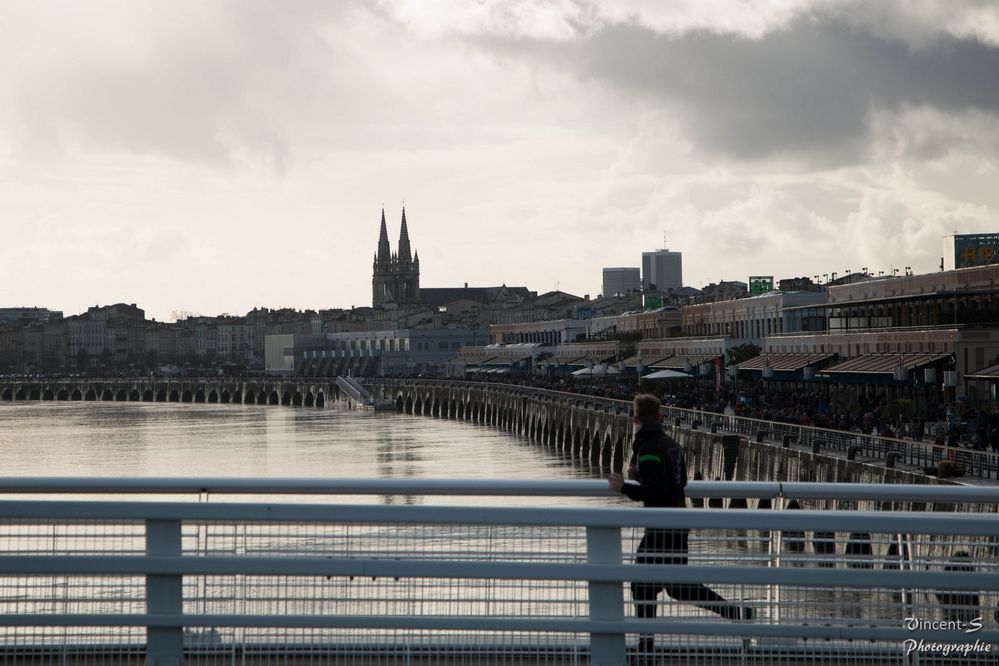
column 696, row 593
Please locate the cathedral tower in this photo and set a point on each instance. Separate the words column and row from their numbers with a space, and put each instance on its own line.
column 395, row 277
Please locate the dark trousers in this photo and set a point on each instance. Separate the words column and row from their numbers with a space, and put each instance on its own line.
column 665, row 546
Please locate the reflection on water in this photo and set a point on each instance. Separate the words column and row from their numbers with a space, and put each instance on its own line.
column 197, row 440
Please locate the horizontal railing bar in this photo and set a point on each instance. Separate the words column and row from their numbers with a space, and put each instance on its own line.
column 403, row 568
column 454, row 623
column 892, row 522
column 484, row 487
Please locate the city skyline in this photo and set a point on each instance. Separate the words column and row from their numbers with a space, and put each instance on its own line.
column 215, row 158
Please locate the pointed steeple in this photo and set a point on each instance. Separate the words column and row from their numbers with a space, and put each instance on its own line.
column 404, row 250
column 384, row 250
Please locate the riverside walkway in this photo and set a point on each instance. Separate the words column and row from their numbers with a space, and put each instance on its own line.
column 302, row 571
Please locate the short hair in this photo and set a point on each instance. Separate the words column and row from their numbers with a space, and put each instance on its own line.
column 647, row 407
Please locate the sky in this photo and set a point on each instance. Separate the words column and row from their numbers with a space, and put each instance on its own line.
column 212, row 157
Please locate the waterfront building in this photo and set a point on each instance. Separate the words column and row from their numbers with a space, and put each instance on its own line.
column 621, row 281
column 724, row 291
column 11, row 315
column 368, row 353
column 638, row 324
column 662, row 270
column 752, row 319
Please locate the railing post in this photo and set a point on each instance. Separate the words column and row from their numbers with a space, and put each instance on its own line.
column 603, row 546
column 164, row 595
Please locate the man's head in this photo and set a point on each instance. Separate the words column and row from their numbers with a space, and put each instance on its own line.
column 646, row 408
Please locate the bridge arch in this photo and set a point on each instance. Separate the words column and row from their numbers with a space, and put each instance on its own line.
column 134, row 396
column 91, row 394
column 309, row 400
column 121, row 395
column 147, row 395
column 296, row 400
column 213, row 396
column 274, row 398
column 199, row 395
column 225, row 398
column 186, row 395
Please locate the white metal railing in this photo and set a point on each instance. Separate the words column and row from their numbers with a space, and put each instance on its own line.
column 209, row 580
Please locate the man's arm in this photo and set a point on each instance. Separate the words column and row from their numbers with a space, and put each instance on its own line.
column 651, row 479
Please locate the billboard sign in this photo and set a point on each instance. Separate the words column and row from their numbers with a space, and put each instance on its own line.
column 760, row 284
column 975, row 250
column 584, row 313
column 653, row 302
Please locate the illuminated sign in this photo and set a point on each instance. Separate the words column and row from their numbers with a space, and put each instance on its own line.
column 760, row 284
column 975, row 250
column 653, row 302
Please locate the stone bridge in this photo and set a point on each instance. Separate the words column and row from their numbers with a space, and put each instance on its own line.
column 599, row 430
column 225, row 390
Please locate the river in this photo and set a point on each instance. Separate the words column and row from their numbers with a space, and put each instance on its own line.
column 136, row 439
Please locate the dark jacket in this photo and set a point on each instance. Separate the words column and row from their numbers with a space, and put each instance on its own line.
column 662, row 472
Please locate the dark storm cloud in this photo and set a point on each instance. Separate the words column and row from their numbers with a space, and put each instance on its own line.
column 806, row 91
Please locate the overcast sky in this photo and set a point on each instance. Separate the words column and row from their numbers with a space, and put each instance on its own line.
column 210, row 157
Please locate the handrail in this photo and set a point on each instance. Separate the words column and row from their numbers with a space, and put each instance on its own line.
column 350, row 386
column 967, row 524
column 485, row 487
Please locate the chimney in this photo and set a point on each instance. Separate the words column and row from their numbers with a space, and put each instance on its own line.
column 466, row 285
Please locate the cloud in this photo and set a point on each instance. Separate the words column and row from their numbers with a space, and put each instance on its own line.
column 808, row 91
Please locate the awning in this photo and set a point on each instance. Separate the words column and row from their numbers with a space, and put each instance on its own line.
column 784, row 362
column 884, row 364
column 647, row 362
column 991, row 372
column 667, row 374
column 499, row 361
column 597, row 371
column 683, row 361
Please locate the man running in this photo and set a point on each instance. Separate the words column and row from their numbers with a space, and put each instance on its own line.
column 658, row 465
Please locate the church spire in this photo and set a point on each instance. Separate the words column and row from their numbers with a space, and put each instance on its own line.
column 405, row 253
column 384, row 251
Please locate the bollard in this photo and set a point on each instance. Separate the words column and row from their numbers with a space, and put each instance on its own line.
column 761, row 436
column 851, row 453
column 816, row 445
column 787, row 441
